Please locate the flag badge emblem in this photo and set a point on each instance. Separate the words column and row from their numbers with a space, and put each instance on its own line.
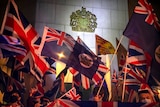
column 85, row 60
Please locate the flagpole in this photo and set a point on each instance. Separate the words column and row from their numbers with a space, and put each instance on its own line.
column 56, row 93
column 116, row 49
column 125, row 73
column 5, row 16
column 111, row 62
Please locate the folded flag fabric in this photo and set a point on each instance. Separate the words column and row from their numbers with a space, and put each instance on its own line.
column 11, row 46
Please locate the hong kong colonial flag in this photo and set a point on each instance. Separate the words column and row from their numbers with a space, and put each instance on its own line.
column 82, row 60
column 143, row 29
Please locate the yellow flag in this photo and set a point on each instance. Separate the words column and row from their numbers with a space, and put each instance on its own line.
column 1, row 96
column 3, row 66
column 103, row 46
column 59, row 67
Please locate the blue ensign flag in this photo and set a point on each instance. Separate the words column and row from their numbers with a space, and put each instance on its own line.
column 143, row 29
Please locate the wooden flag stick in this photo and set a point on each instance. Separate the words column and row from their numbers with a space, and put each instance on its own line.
column 111, row 62
column 5, row 16
column 123, row 90
column 116, row 49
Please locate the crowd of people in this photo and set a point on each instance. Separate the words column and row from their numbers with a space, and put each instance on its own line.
column 15, row 98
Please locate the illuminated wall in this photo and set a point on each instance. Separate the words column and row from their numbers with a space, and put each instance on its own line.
column 112, row 17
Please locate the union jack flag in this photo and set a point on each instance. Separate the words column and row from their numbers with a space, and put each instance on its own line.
column 133, row 79
column 63, row 103
column 17, row 25
column 138, row 57
column 137, row 68
column 72, row 94
column 10, row 46
column 56, row 42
